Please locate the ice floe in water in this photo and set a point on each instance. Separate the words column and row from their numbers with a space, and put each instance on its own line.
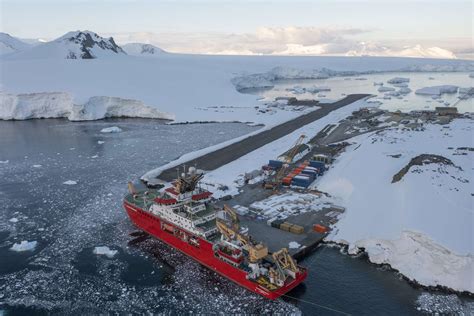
column 437, row 90
column 37, row 166
column 70, row 182
column 398, row 80
column 100, row 142
column 112, row 129
column 13, row 220
column 4, row 161
column 24, row 246
column 104, row 251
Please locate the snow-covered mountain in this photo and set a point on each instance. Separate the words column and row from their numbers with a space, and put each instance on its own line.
column 140, row 49
column 371, row 49
column 74, row 45
column 10, row 44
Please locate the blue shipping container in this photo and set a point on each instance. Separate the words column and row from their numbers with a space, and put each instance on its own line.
column 317, row 164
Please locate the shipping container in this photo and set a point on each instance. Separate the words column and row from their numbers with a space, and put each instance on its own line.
column 285, row 226
column 320, row 228
column 296, row 229
column 277, row 223
column 317, row 164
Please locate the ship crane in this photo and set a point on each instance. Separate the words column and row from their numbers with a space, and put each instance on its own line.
column 188, row 182
column 285, row 265
column 256, row 252
column 276, row 181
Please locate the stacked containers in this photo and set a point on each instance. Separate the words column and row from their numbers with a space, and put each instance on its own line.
column 310, row 172
column 301, row 181
column 318, row 165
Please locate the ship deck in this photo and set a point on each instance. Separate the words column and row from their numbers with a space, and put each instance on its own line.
column 142, row 199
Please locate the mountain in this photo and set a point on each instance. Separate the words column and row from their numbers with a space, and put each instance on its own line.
column 10, row 44
column 74, row 45
column 140, row 49
column 370, row 49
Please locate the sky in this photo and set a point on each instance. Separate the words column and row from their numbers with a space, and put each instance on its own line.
column 256, row 27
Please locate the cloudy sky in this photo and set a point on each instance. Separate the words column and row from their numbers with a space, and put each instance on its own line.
column 318, row 27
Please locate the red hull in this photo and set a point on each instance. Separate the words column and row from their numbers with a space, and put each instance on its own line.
column 204, row 254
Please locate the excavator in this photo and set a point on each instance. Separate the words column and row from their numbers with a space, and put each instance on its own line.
column 274, row 183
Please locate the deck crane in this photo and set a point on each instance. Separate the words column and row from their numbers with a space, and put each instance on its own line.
column 256, row 251
column 276, row 181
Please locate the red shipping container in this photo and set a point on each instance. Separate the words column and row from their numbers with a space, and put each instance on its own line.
column 320, row 228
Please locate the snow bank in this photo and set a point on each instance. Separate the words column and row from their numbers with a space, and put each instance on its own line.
column 104, row 251
column 422, row 260
column 293, row 245
column 112, row 129
column 437, row 90
column 433, row 200
column 60, row 104
column 24, row 246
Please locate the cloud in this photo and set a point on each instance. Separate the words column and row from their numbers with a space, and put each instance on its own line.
column 290, row 40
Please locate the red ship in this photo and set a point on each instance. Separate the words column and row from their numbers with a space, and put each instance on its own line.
column 183, row 217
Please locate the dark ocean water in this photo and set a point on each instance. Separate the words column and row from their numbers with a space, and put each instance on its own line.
column 62, row 275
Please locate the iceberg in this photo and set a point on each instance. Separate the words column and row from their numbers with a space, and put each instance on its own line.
column 24, row 246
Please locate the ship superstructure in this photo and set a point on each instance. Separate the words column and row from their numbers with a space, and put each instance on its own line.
column 183, row 216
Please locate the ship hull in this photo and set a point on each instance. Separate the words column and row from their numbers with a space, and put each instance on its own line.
column 203, row 253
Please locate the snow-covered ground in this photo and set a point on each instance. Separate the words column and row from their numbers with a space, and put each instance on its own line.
column 186, row 87
column 421, row 225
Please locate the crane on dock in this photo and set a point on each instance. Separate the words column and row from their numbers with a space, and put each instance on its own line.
column 274, row 183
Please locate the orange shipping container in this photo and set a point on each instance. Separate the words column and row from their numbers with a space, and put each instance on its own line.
column 320, row 228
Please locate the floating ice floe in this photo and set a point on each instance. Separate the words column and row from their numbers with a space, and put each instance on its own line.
column 385, row 89
column 437, row 90
column 112, row 129
column 100, row 142
column 294, row 245
column 398, row 80
column 404, row 90
column 104, row 251
column 4, row 161
column 13, row 220
column 37, row 166
column 24, row 246
column 70, row 182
